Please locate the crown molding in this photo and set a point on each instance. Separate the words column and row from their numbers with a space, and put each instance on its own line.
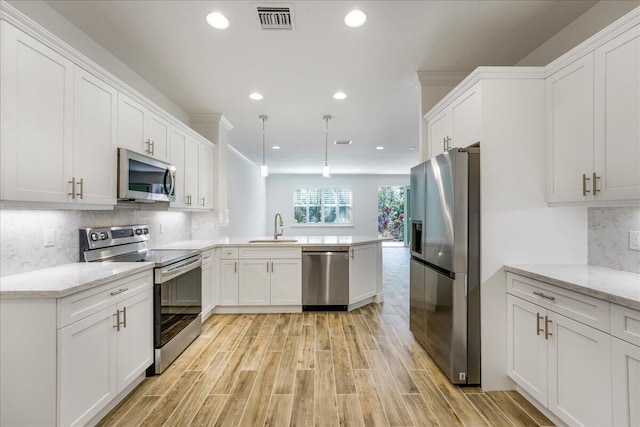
column 486, row 73
column 241, row 156
column 613, row 30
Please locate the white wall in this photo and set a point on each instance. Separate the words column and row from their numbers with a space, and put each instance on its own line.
column 365, row 202
column 593, row 20
column 247, row 197
column 517, row 225
column 51, row 20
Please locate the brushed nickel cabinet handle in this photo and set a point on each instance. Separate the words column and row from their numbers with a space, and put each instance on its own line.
column 203, row 202
column 148, row 149
column 547, row 321
column 584, row 184
column 448, row 143
column 352, row 253
column 117, row 325
column 124, row 317
column 538, row 328
column 119, row 291
column 81, row 184
column 267, row 266
column 540, row 294
column 153, row 148
column 235, row 267
column 444, row 143
column 272, row 266
column 73, row 187
column 594, row 184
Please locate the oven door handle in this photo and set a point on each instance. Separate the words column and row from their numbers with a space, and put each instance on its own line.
column 170, row 273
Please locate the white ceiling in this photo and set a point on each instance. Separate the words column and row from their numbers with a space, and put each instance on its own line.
column 212, row 71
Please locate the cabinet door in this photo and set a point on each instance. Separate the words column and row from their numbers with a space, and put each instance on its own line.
column 625, row 362
column 286, row 282
column 207, row 268
column 579, row 377
column 191, row 174
column 37, row 120
column 617, row 112
column 254, row 282
column 569, row 122
column 95, row 138
column 177, row 158
column 228, row 282
column 527, row 347
column 131, row 123
column 205, row 160
column 86, row 367
column 439, row 128
column 135, row 338
column 157, row 131
column 363, row 272
column 465, row 118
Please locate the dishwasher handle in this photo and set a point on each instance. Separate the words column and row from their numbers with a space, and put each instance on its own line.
column 324, row 249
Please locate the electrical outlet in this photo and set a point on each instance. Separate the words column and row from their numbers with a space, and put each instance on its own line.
column 49, row 237
column 634, row 240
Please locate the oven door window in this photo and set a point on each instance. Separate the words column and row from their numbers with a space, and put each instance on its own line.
column 180, row 302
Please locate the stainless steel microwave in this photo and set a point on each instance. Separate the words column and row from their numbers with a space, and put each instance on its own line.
column 143, row 178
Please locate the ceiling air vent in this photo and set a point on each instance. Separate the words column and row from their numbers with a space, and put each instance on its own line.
column 275, row 18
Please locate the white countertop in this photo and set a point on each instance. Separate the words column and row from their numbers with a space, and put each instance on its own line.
column 63, row 280
column 620, row 287
column 300, row 241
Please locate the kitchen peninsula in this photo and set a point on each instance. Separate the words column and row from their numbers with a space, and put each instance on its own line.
column 266, row 276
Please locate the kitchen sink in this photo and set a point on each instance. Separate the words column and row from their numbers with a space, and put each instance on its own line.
column 273, row 241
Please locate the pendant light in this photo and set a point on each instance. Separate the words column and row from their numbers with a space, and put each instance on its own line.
column 325, row 168
column 264, row 171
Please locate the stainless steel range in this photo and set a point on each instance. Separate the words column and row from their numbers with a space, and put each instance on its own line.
column 177, row 284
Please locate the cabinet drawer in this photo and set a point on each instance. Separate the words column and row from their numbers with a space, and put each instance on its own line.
column 270, row 253
column 82, row 304
column 583, row 308
column 625, row 324
column 229, row 253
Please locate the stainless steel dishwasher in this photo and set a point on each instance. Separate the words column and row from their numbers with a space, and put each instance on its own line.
column 325, row 278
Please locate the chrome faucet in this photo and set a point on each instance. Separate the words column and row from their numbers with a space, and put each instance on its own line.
column 275, row 227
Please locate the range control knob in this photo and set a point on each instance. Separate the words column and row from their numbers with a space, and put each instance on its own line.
column 104, row 235
column 138, row 231
column 146, row 230
column 94, row 237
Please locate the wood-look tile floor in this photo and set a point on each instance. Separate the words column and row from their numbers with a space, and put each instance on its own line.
column 324, row 369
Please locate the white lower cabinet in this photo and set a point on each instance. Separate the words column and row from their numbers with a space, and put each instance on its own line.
column 270, row 282
column 65, row 360
column 625, row 380
column 100, row 355
column 363, row 272
column 582, row 374
column 228, row 282
column 207, row 283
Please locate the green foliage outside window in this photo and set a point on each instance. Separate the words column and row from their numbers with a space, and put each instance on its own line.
column 391, row 212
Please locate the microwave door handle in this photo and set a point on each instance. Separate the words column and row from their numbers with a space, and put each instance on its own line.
column 169, row 189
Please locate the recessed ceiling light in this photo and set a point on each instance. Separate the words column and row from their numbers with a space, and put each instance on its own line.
column 412, row 147
column 355, row 18
column 256, row 96
column 339, row 96
column 276, row 147
column 379, row 147
column 217, row 21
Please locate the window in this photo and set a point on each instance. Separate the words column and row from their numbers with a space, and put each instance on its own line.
column 322, row 206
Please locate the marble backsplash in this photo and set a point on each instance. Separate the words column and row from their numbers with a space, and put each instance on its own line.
column 609, row 237
column 22, row 232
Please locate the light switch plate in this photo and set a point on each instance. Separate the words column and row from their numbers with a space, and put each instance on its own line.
column 49, row 237
column 634, row 240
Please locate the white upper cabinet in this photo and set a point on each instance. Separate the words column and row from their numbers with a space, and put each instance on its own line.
column 176, row 156
column 37, row 120
column 569, row 98
column 58, row 127
column 617, row 117
column 457, row 124
column 141, row 130
column 205, row 161
column 593, row 124
column 95, row 135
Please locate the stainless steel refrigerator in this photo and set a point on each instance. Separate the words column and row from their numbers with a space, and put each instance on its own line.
column 445, row 262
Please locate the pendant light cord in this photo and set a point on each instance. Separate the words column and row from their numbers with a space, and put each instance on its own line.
column 326, row 138
column 263, row 118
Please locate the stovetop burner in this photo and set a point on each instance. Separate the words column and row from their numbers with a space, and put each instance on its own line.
column 126, row 244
